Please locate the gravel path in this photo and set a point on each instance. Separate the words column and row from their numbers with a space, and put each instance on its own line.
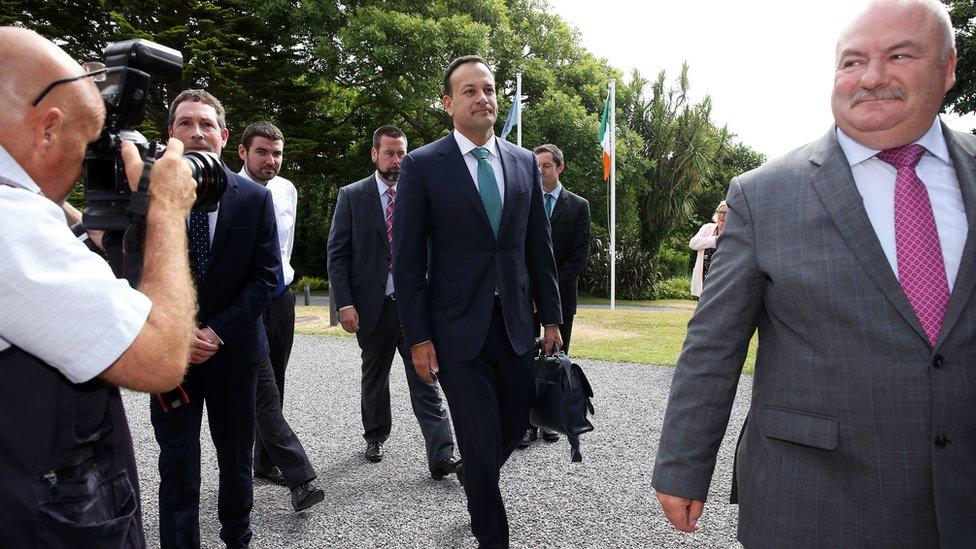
column 606, row 501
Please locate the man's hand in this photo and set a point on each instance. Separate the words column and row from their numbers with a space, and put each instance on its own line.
column 682, row 512
column 425, row 361
column 552, row 337
column 171, row 183
column 349, row 318
column 205, row 344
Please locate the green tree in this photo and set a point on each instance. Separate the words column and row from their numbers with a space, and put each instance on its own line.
column 962, row 98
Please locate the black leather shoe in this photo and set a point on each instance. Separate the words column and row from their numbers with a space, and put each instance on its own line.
column 374, row 452
column 530, row 435
column 306, row 495
column 549, row 436
column 273, row 476
column 460, row 474
column 444, row 467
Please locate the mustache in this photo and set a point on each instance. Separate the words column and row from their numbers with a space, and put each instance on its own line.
column 875, row 95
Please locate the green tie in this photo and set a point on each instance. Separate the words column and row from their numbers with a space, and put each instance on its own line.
column 548, row 204
column 488, row 187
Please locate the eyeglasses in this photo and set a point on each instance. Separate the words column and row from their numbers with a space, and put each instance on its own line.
column 721, row 213
column 93, row 69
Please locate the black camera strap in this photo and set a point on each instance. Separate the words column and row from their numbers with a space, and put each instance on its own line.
column 139, row 199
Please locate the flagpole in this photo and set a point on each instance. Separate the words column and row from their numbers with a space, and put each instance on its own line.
column 518, row 97
column 613, row 194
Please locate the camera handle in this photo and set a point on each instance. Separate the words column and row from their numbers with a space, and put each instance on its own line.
column 134, row 238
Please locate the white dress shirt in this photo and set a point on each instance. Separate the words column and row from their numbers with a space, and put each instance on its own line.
column 381, row 187
column 555, row 195
column 285, row 199
column 58, row 300
column 875, row 180
column 471, row 161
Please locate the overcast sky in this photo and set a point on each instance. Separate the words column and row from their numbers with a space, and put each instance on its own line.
column 767, row 64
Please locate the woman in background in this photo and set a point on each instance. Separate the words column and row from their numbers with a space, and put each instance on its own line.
column 705, row 242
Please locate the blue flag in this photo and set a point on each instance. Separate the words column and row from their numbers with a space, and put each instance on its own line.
column 512, row 117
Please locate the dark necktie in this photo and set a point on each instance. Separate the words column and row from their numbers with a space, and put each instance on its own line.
column 199, row 244
column 488, row 188
column 549, row 202
column 921, row 268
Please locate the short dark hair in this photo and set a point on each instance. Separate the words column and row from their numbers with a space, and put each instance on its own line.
column 261, row 128
column 556, row 152
column 201, row 96
column 388, row 131
column 463, row 60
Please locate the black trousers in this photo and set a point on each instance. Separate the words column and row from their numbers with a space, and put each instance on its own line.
column 281, row 445
column 279, row 322
column 489, row 398
column 229, row 394
column 377, row 354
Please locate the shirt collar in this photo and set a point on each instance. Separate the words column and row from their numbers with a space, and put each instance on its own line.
column 381, row 185
column 555, row 192
column 466, row 145
column 933, row 141
column 11, row 170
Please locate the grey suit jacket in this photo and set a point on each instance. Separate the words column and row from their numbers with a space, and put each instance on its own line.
column 859, row 433
column 359, row 259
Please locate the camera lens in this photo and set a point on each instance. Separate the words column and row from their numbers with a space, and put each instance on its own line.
column 211, row 180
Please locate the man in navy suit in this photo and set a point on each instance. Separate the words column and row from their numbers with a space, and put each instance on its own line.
column 235, row 261
column 471, row 253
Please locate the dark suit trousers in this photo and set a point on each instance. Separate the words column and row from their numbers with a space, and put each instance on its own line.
column 377, row 354
column 283, row 448
column 489, row 397
column 229, row 394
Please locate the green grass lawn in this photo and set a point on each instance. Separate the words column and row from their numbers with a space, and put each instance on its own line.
column 623, row 335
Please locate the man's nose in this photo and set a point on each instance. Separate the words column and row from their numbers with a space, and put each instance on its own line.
column 875, row 74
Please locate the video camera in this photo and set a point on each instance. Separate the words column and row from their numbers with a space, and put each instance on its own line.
column 131, row 66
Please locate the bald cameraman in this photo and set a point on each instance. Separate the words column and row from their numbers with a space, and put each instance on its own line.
column 70, row 332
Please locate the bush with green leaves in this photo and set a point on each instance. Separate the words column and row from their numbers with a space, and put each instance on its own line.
column 678, row 287
column 315, row 284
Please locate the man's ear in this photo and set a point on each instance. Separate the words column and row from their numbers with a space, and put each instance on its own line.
column 224, row 134
column 446, row 102
column 48, row 129
column 242, row 152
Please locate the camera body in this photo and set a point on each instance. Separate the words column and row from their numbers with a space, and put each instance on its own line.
column 131, row 67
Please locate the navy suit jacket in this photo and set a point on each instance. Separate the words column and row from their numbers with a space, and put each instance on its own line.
column 242, row 273
column 448, row 264
column 359, row 260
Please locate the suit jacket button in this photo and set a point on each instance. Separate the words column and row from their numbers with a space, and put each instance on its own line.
column 937, row 361
column 941, row 441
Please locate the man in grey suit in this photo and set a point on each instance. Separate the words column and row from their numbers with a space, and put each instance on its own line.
column 862, row 426
column 362, row 287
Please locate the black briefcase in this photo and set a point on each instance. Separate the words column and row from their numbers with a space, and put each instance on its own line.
column 563, row 399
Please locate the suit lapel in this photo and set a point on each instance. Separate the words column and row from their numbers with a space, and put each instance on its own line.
column 225, row 213
column 513, row 174
column 560, row 206
column 371, row 199
column 833, row 181
column 962, row 154
column 457, row 171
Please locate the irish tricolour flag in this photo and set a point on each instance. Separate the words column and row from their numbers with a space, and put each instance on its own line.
column 606, row 139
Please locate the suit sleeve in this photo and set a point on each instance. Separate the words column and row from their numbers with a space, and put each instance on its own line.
column 236, row 320
column 539, row 258
column 340, row 252
column 410, row 234
column 573, row 266
column 708, row 370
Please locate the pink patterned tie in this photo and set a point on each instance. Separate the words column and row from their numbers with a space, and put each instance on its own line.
column 921, row 269
column 391, row 194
